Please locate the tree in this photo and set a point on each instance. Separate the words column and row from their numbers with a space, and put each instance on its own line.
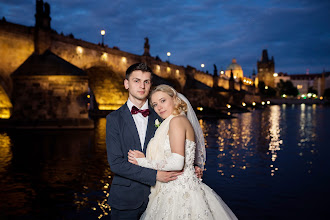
column 327, row 93
column 287, row 88
column 267, row 91
column 311, row 90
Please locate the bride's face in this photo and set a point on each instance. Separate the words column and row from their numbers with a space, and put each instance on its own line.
column 163, row 104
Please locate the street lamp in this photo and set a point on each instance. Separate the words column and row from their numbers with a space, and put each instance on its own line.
column 168, row 56
column 202, row 65
column 102, row 33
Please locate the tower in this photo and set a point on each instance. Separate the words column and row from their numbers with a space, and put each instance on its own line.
column 266, row 69
column 42, row 15
column 42, row 38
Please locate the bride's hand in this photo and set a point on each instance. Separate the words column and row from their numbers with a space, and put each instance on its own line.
column 134, row 154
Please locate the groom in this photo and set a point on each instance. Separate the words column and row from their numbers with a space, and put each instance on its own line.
column 131, row 127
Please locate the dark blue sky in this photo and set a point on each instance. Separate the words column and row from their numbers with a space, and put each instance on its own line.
column 295, row 32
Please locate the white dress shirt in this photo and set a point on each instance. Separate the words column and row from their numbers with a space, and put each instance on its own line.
column 141, row 122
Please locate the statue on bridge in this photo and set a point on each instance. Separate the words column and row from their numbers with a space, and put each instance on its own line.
column 215, row 71
column 146, row 47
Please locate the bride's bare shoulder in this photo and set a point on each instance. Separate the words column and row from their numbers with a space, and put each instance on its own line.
column 179, row 121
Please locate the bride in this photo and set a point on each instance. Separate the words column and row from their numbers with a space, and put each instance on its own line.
column 173, row 149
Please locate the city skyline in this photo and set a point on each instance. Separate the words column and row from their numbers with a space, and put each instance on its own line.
column 295, row 33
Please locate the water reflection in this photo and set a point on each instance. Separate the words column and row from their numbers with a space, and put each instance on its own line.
column 59, row 172
column 260, row 162
column 250, row 135
column 274, row 135
column 5, row 151
column 88, row 199
column 307, row 134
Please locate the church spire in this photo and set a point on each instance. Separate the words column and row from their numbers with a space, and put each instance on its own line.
column 264, row 57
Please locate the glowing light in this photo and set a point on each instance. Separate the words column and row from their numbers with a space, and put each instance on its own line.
column 200, row 108
column 275, row 74
column 283, row 95
column 124, row 60
column 109, row 106
column 235, row 77
column 102, row 32
column 168, row 69
column 253, row 103
column 88, row 96
column 228, row 106
column 222, row 72
column 168, row 54
column 158, row 68
column 177, row 72
column 268, row 102
column 321, row 98
column 266, row 87
column 104, row 57
column 244, row 104
column 79, row 50
column 202, row 65
column 262, row 103
column 309, row 95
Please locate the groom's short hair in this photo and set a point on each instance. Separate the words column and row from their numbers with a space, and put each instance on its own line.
column 138, row 66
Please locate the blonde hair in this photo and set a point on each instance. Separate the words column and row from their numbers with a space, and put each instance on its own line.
column 179, row 104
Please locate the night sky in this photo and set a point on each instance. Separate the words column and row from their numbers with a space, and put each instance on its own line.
column 295, row 32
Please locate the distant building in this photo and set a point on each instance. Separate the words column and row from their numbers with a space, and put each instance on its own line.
column 280, row 76
column 236, row 68
column 318, row 81
column 266, row 69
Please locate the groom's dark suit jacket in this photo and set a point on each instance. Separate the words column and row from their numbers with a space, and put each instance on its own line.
column 131, row 184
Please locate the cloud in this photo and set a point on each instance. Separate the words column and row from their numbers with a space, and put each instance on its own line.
column 295, row 32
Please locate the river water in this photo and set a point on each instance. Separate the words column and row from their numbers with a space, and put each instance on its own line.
column 266, row 164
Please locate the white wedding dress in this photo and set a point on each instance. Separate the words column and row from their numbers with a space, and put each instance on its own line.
column 186, row 197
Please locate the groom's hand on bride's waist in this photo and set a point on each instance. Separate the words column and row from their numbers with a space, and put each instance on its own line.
column 167, row 176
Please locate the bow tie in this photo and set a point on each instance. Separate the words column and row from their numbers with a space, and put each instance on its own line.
column 144, row 112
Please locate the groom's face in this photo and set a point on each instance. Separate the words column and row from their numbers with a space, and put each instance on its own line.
column 138, row 85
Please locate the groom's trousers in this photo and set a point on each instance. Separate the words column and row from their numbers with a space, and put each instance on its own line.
column 129, row 214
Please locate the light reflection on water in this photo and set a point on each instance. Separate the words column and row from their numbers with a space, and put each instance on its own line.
column 5, row 152
column 266, row 159
column 260, row 163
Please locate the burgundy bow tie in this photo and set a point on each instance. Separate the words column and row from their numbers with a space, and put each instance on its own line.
column 144, row 112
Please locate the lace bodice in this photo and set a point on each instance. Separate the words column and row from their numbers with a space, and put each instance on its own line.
column 160, row 156
column 189, row 152
column 169, row 161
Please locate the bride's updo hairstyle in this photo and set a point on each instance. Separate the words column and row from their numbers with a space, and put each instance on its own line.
column 179, row 104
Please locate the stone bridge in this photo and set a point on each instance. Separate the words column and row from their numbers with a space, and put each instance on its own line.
column 104, row 66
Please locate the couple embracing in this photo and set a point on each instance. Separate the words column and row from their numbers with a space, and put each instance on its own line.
column 158, row 166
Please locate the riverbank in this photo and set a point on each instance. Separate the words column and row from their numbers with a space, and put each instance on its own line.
column 48, row 124
column 280, row 101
